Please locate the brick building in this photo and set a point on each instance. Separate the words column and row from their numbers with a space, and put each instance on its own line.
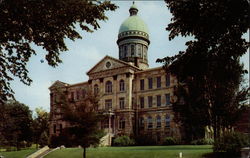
column 136, row 97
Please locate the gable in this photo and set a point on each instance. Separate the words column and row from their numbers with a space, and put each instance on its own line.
column 57, row 84
column 108, row 63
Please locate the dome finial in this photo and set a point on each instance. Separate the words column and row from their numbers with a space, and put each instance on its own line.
column 133, row 9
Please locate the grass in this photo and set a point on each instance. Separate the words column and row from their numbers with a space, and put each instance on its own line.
column 23, row 153
column 18, row 154
column 189, row 151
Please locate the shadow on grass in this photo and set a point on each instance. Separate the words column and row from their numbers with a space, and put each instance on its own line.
column 220, row 155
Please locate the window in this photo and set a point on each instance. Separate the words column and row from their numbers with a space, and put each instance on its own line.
column 108, row 87
column 122, row 123
column 121, row 103
column 142, row 84
column 122, row 85
column 142, row 102
column 120, row 50
column 158, row 100
column 158, row 82
column 139, row 50
column 132, row 50
column 105, row 123
column 72, row 96
column 125, row 51
column 96, row 89
column 150, row 101
column 141, row 123
column 83, row 93
column 167, row 121
column 150, row 83
column 167, row 99
column 150, row 122
column 51, row 98
column 168, row 80
column 77, row 95
column 61, row 128
column 54, row 129
column 108, row 104
column 158, row 121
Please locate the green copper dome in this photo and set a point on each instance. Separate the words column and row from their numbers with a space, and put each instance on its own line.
column 134, row 22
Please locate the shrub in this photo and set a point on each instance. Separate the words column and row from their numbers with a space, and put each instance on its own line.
column 171, row 141
column 144, row 139
column 123, row 141
column 231, row 143
column 202, row 142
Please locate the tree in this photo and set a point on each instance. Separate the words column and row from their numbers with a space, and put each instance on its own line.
column 15, row 123
column 209, row 71
column 41, row 127
column 44, row 23
column 83, row 117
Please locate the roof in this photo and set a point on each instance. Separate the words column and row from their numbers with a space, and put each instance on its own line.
column 120, row 61
column 133, row 22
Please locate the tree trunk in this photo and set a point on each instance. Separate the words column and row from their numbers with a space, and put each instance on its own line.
column 84, row 152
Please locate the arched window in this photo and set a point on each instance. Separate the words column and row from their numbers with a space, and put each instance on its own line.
column 122, row 85
column 96, row 89
column 125, row 51
column 158, row 121
column 122, row 123
column 150, row 122
column 132, row 50
column 121, row 53
column 108, row 87
column 142, row 123
column 167, row 121
column 139, row 50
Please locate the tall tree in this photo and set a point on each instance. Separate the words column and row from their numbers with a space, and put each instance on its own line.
column 44, row 23
column 83, row 118
column 41, row 127
column 210, row 66
column 15, row 123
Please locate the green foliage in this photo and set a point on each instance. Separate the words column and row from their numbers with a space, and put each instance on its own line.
column 202, row 142
column 43, row 23
column 40, row 127
column 123, row 141
column 15, row 123
column 231, row 143
column 83, row 118
column 171, row 141
column 209, row 93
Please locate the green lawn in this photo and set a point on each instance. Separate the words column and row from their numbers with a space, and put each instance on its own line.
column 189, row 151
column 18, row 154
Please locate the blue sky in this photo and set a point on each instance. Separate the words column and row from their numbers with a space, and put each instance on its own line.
column 84, row 53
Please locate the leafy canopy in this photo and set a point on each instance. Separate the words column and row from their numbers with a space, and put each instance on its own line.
column 44, row 23
column 209, row 67
column 15, row 123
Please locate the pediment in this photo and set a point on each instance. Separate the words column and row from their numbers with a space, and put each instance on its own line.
column 108, row 63
column 58, row 84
